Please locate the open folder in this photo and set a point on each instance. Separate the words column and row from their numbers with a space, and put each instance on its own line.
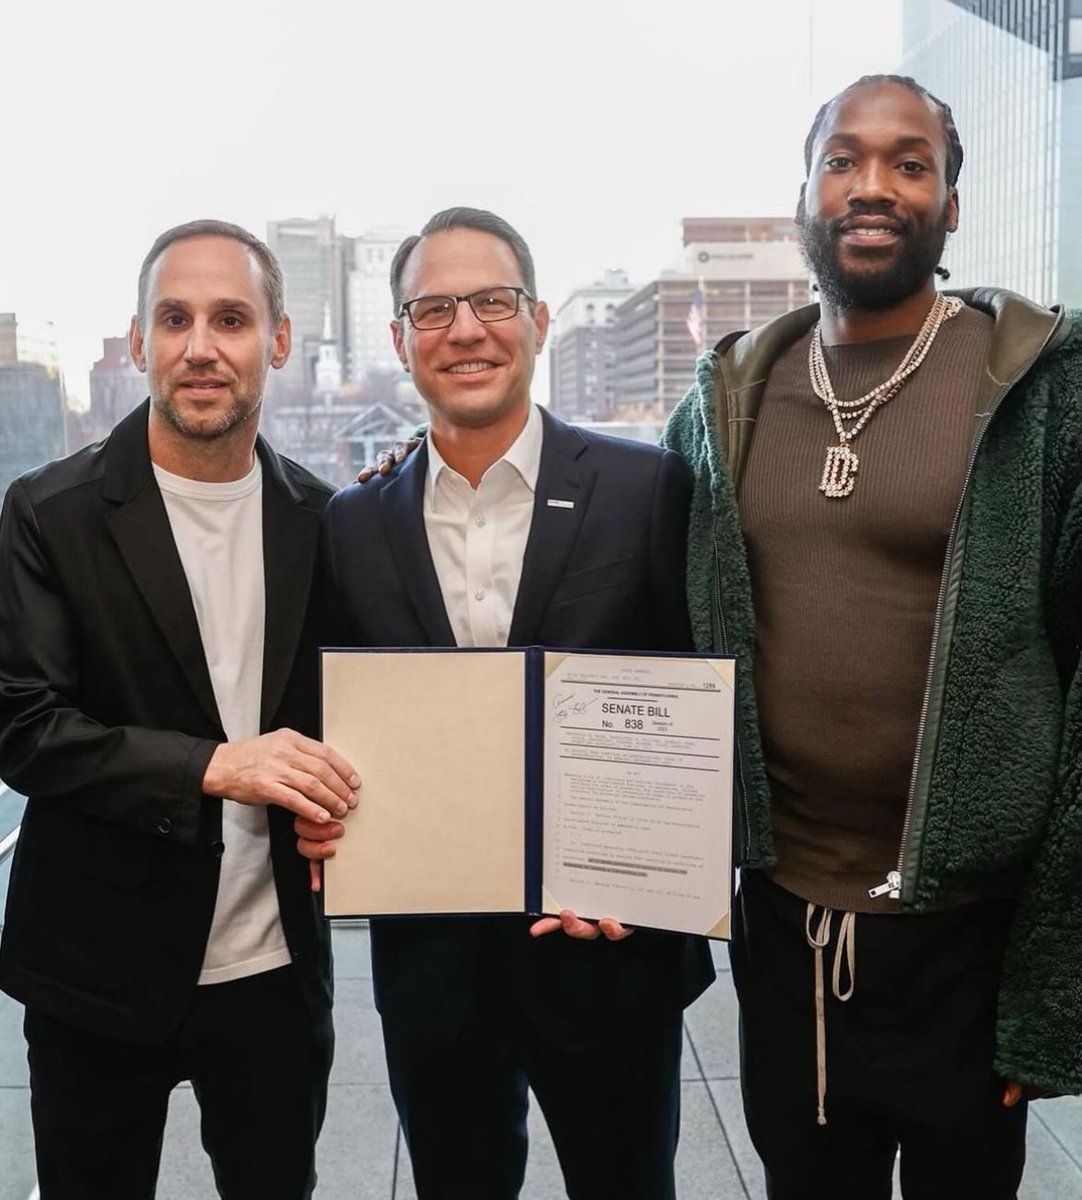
column 530, row 781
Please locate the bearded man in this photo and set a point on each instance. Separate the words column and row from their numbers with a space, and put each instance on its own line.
column 887, row 528
column 154, row 672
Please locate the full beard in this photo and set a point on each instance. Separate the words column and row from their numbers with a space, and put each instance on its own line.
column 880, row 285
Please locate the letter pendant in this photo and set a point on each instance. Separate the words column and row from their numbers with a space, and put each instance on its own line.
column 839, row 472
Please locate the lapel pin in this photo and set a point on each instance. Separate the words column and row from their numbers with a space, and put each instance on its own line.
column 561, row 503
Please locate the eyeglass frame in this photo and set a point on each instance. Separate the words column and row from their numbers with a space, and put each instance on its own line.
column 520, row 292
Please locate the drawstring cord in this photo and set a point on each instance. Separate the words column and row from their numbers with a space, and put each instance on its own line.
column 845, row 951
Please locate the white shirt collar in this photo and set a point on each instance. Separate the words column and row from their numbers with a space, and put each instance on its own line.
column 524, row 454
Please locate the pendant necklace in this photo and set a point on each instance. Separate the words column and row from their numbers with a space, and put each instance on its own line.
column 840, row 468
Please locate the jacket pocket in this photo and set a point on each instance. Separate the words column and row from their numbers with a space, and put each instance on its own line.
column 619, row 573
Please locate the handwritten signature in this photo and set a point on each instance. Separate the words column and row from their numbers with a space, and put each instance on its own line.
column 568, row 706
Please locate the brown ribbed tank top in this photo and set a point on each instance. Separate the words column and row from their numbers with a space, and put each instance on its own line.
column 845, row 598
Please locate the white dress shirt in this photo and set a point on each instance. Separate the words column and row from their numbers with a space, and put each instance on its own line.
column 477, row 537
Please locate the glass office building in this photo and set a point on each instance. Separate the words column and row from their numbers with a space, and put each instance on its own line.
column 1011, row 71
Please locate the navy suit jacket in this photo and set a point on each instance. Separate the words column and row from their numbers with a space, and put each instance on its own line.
column 605, row 573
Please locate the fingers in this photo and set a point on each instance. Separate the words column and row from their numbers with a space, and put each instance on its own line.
column 316, row 842
column 318, row 831
column 613, row 930
column 284, row 768
column 1014, row 1093
column 576, row 927
column 387, row 460
column 300, row 805
column 304, row 794
column 325, row 764
column 315, row 850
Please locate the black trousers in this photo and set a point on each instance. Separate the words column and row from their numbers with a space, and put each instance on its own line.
column 258, row 1062
column 612, row 1108
column 908, row 1057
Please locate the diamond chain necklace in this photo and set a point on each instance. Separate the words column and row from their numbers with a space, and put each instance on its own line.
column 840, row 468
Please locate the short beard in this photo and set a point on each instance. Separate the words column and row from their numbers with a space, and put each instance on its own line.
column 879, row 287
column 211, row 428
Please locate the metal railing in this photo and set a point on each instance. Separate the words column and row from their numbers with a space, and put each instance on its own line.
column 8, row 843
column 7, row 846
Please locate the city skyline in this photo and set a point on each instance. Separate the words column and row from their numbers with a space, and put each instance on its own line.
column 674, row 265
column 615, row 121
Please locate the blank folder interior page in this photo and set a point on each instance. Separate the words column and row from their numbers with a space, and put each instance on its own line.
column 437, row 737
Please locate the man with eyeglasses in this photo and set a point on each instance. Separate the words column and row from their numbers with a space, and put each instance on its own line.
column 510, row 528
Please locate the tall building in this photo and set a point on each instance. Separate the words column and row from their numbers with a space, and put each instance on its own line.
column 28, row 342
column 314, row 264
column 31, row 408
column 736, row 273
column 368, row 305
column 116, row 387
column 582, row 353
column 1012, row 74
column 9, row 351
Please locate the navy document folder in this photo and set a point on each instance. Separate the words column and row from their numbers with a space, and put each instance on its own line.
column 535, row 780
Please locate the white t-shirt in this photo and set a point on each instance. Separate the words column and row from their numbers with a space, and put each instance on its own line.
column 218, row 530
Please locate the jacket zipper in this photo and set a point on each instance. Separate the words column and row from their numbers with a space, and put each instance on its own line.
column 740, row 785
column 894, row 888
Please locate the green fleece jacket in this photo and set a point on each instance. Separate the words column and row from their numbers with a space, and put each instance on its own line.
column 996, row 804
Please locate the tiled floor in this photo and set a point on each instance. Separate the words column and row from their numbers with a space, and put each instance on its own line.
column 361, row 1156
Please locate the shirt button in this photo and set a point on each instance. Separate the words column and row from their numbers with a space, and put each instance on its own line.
column 165, row 825
column 479, row 594
column 480, row 522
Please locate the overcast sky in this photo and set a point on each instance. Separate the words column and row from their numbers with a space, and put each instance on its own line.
column 592, row 125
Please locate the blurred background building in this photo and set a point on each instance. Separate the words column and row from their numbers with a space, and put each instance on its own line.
column 368, row 300
column 625, row 354
column 315, row 261
column 116, row 387
column 343, row 394
column 1011, row 70
column 31, row 399
column 582, row 353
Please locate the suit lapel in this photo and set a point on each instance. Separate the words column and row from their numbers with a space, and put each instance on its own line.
column 290, row 533
column 565, row 475
column 140, row 526
column 402, row 513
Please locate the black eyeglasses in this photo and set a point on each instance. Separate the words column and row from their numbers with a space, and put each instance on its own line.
column 488, row 305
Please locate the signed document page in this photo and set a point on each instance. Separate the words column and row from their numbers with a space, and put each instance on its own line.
column 638, row 789
column 437, row 737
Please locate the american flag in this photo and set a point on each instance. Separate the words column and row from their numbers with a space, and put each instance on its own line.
column 695, row 321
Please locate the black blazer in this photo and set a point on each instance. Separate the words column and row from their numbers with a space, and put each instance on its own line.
column 607, row 573
column 107, row 723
